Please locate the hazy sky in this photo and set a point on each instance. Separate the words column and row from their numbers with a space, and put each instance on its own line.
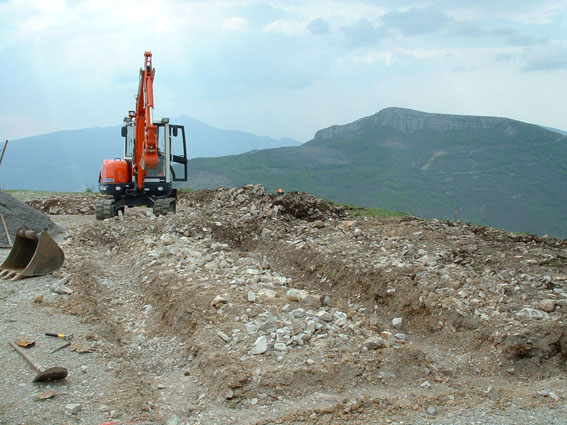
column 280, row 68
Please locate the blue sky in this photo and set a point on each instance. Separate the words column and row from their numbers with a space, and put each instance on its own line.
column 279, row 68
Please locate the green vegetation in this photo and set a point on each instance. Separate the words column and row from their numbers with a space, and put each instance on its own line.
column 373, row 212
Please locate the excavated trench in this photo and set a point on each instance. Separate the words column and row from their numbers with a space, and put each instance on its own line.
column 171, row 297
column 181, row 309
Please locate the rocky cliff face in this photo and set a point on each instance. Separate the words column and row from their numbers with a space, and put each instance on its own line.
column 407, row 120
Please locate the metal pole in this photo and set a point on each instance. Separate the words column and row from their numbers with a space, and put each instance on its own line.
column 3, row 150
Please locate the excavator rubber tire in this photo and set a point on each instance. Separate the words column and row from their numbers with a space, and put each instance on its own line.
column 104, row 209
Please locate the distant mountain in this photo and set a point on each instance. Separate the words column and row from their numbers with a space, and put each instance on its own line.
column 207, row 141
column 487, row 170
column 71, row 160
column 564, row 133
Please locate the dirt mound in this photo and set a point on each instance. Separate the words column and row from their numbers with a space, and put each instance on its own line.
column 296, row 205
column 303, row 206
column 299, row 205
column 55, row 205
column 230, row 199
column 17, row 214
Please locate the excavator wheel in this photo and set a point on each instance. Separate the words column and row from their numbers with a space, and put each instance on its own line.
column 104, row 208
column 163, row 206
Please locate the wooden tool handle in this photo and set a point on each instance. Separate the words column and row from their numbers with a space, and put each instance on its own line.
column 25, row 356
column 6, row 230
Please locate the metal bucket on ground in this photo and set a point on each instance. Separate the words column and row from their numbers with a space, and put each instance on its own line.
column 34, row 253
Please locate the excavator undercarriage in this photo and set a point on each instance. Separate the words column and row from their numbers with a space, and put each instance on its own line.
column 107, row 208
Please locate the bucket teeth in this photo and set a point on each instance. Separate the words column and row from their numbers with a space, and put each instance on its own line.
column 4, row 274
column 10, row 275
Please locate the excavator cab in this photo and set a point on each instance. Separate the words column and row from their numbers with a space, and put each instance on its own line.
column 159, row 191
column 172, row 156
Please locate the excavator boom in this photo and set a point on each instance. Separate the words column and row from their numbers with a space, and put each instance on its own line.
column 146, row 153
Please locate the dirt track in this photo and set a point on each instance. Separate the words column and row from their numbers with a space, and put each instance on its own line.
column 251, row 309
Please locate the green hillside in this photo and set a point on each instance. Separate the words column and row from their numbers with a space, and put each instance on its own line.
column 494, row 171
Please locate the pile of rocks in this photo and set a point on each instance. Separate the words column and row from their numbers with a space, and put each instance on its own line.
column 255, row 200
column 56, row 205
column 18, row 214
column 508, row 288
column 512, row 292
column 307, row 207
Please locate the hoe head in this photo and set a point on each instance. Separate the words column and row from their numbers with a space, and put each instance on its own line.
column 33, row 254
column 51, row 374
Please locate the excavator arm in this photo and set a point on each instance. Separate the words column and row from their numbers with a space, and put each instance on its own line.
column 145, row 147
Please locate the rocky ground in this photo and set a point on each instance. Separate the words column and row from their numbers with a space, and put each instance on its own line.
column 246, row 308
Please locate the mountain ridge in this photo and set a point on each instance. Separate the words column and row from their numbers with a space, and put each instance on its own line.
column 404, row 120
column 491, row 170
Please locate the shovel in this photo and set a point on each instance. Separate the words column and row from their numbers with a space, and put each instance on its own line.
column 51, row 374
column 33, row 254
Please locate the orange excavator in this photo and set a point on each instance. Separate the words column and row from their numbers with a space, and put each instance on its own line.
column 155, row 159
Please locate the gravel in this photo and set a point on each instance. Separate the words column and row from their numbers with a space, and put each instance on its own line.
column 512, row 415
column 17, row 214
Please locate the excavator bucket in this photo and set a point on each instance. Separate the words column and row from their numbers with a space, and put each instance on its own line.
column 33, row 254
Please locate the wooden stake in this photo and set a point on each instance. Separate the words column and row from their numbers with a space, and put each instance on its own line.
column 6, row 230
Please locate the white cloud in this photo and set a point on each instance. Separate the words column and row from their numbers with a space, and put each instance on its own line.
column 416, row 20
column 527, row 12
column 234, row 23
column 466, row 55
column 542, row 14
column 373, row 57
column 318, row 27
column 288, row 27
column 441, row 58
column 552, row 57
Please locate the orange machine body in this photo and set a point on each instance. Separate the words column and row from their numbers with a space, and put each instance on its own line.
column 115, row 171
column 146, row 154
